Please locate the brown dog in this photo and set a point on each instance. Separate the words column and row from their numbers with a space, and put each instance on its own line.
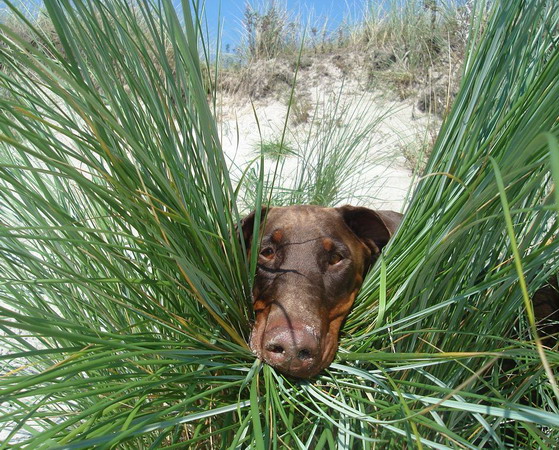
column 310, row 268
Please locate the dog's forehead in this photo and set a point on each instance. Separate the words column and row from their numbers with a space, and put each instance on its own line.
column 305, row 220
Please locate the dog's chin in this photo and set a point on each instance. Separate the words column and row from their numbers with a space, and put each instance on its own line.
column 300, row 374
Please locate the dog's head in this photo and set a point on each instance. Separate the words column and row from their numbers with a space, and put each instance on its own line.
column 311, row 265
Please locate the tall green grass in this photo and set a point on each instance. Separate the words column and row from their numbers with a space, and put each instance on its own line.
column 126, row 293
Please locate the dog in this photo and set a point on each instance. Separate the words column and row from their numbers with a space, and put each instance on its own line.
column 311, row 264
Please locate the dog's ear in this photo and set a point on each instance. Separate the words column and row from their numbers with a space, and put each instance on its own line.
column 373, row 228
column 247, row 225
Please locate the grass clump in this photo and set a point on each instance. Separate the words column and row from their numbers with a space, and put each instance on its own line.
column 115, row 200
column 126, row 293
column 268, row 31
column 275, row 149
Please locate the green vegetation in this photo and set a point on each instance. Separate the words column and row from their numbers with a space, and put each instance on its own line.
column 125, row 293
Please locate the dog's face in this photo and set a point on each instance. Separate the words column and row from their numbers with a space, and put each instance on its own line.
column 311, row 265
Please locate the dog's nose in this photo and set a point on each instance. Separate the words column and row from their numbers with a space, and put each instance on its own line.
column 294, row 351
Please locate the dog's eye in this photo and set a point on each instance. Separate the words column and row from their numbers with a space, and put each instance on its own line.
column 267, row 252
column 335, row 259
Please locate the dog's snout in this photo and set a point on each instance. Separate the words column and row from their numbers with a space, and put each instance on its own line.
column 295, row 351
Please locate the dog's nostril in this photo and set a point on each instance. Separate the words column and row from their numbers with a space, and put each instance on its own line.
column 304, row 354
column 275, row 348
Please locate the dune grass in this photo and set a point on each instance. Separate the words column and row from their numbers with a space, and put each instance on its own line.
column 125, row 293
column 410, row 49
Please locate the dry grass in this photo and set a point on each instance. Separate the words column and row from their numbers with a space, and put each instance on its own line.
column 414, row 49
